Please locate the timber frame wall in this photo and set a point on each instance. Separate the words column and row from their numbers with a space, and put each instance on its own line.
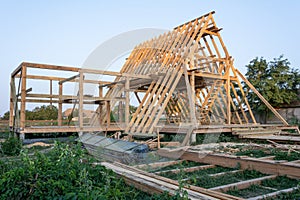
column 185, row 76
column 20, row 96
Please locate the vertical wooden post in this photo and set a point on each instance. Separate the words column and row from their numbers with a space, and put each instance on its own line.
column 51, row 92
column 192, row 80
column 100, row 103
column 228, row 100
column 23, row 101
column 108, row 113
column 80, row 111
column 127, row 102
column 120, row 111
column 158, row 139
column 11, row 104
column 59, row 115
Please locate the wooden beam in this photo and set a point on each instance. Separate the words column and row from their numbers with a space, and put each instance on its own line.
column 23, row 97
column 158, row 164
column 108, row 113
column 189, row 169
column 151, row 185
column 274, row 194
column 262, row 98
column 12, row 101
column 127, row 101
column 17, row 70
column 242, row 184
column 212, row 194
column 51, row 91
column 51, row 67
column 59, row 116
column 80, row 104
column 69, row 129
column 69, row 79
column 264, row 166
column 54, row 78
column 102, row 72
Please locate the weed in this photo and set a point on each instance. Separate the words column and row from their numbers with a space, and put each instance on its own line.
column 11, row 146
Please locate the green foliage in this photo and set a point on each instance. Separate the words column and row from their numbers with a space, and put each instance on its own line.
column 65, row 172
column 257, row 153
column 60, row 175
column 196, row 174
column 42, row 113
column 294, row 121
column 209, row 182
column 279, row 154
column 11, row 146
column 5, row 116
column 177, row 166
column 275, row 80
column 215, row 137
column 279, row 183
column 252, row 191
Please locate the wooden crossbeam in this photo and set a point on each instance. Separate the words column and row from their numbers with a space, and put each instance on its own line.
column 242, row 184
column 264, row 166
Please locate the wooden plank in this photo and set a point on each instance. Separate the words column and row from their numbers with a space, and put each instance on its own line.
column 51, row 90
column 69, row 79
column 264, row 166
column 69, row 129
column 274, row 194
column 51, row 67
column 59, row 114
column 146, row 183
column 17, row 70
column 54, row 78
column 158, row 164
column 12, row 101
column 213, row 194
column 127, row 101
column 188, row 169
column 243, row 184
column 224, row 173
column 275, row 138
column 190, row 98
column 23, row 97
column 80, row 103
column 57, row 101
column 108, row 113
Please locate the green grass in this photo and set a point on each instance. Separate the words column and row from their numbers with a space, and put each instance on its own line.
column 210, row 182
column 196, row 174
column 279, row 183
column 292, row 195
column 215, row 137
column 257, row 153
column 184, row 164
column 279, row 154
column 252, row 191
column 4, row 135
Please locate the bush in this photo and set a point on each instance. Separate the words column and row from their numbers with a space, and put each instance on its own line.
column 66, row 172
column 11, row 147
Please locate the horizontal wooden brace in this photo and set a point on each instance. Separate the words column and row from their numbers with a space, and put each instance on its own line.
column 264, row 166
column 69, row 79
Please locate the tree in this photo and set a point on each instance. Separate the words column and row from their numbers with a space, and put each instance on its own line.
column 5, row 116
column 275, row 80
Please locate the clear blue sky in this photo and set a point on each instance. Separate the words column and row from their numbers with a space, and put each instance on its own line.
column 66, row 32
